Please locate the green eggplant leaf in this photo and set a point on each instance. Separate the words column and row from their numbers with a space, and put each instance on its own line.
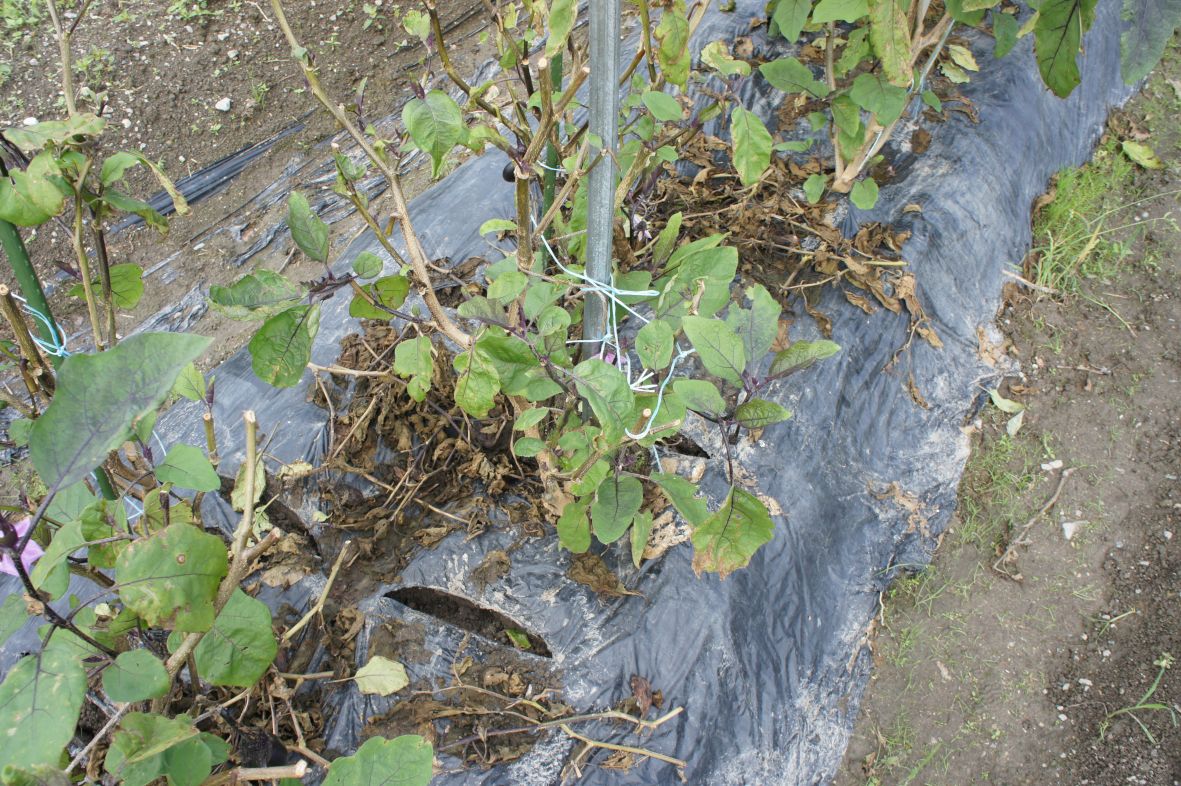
column 727, row 540
column 403, row 761
column 170, row 578
column 282, row 347
column 100, row 397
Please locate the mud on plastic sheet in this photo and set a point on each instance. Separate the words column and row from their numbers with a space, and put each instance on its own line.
column 769, row 664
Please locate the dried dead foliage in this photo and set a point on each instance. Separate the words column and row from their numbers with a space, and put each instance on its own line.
column 790, row 246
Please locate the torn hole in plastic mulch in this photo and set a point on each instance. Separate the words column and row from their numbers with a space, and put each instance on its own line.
column 462, row 613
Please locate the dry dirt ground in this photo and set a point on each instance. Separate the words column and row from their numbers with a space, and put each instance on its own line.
column 160, row 67
column 1056, row 665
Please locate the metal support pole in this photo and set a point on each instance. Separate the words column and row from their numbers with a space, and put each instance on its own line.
column 604, row 123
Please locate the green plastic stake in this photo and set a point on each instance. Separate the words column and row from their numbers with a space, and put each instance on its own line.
column 26, row 279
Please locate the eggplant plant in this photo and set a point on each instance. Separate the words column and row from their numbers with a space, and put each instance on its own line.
column 684, row 350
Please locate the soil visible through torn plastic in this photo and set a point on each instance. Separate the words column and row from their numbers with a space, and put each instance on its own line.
column 401, row 474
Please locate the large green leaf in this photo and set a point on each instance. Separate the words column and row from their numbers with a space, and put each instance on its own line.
column 552, row 320
column 702, row 273
column 1004, row 30
column 259, row 295
column 187, row 467
column 39, row 775
column 814, row 187
column 790, row 16
column 672, row 37
column 39, row 704
column 758, row 325
column 889, row 32
column 51, row 573
column 116, row 165
column 307, row 230
column 96, row 521
column 482, row 309
column 1148, row 26
column 191, row 384
column 413, row 359
column 839, row 11
column 136, row 755
column 100, row 396
column 752, row 145
column 1057, row 37
column 188, row 763
column 759, row 413
column 718, row 346
column 136, row 207
column 477, row 384
column 864, row 193
column 857, row 48
column 875, row 94
column 617, row 501
column 641, row 529
column 683, row 495
column 54, row 132
column 573, row 527
column 961, row 14
column 135, row 676
column 663, row 247
column 846, row 115
column 13, row 615
column 367, row 265
column 791, row 76
column 387, row 291
column 654, row 344
column 171, row 577
column 802, row 354
column 700, row 395
column 507, row 286
column 32, row 196
column 562, row 15
column 435, row 124
column 662, row 106
column 403, row 761
column 240, row 646
column 282, row 347
column 609, row 395
column 513, row 360
column 728, row 539
column 127, row 285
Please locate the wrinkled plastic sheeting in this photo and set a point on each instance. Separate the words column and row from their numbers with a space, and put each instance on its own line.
column 770, row 663
column 211, row 179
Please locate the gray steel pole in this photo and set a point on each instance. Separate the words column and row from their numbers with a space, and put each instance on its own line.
column 604, row 123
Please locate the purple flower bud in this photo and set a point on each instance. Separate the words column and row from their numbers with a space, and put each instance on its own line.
column 32, row 553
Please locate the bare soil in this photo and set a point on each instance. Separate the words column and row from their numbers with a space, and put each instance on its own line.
column 1027, row 671
column 159, row 68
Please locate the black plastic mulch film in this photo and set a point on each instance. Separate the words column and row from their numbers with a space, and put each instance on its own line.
column 769, row 664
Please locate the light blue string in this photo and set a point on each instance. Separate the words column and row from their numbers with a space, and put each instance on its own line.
column 137, row 511
column 614, row 294
column 58, row 347
column 160, row 442
column 681, row 354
